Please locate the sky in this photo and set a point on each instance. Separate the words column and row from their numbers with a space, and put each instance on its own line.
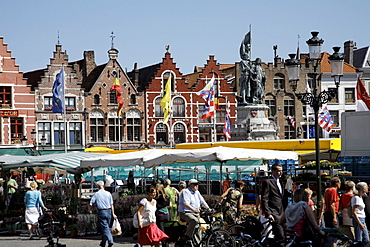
column 194, row 29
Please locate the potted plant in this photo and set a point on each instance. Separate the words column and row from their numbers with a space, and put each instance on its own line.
column 72, row 229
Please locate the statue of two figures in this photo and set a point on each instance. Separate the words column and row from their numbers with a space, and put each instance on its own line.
column 252, row 80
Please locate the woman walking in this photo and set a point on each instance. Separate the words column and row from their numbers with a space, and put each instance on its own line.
column 33, row 203
column 347, row 226
column 149, row 233
column 358, row 205
column 232, row 204
column 172, row 194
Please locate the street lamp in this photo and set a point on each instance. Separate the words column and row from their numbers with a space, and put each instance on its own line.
column 315, row 99
column 34, row 151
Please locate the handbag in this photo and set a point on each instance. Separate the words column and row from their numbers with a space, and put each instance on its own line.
column 145, row 218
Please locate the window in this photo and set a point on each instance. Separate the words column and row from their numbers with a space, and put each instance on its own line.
column 205, row 134
column 221, row 114
column 75, row 133
column 48, row 101
column 158, row 108
column 270, row 102
column 161, row 134
column 70, row 103
column 5, row 96
column 179, row 133
column 114, row 125
column 96, row 126
column 44, row 130
column 16, row 126
column 200, row 113
column 289, row 132
column 112, row 97
column 165, row 79
column 279, row 81
column 133, row 125
column 334, row 93
column 349, row 95
column 59, row 133
column 178, row 107
column 335, row 116
column 288, row 106
column 96, row 99
column 133, row 99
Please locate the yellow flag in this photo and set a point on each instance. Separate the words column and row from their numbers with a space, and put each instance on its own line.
column 166, row 101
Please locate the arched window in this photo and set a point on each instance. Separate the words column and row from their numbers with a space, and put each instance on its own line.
column 165, row 79
column 179, row 133
column 279, row 81
column 133, row 99
column 133, row 125
column 96, row 99
column 158, row 108
column 114, row 125
column 97, row 126
column 112, row 97
column 178, row 107
column 161, row 134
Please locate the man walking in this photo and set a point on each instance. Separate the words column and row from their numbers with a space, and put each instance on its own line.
column 104, row 202
column 272, row 200
column 190, row 202
column 12, row 188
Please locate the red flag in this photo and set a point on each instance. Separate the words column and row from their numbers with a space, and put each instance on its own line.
column 363, row 98
column 117, row 87
column 325, row 119
column 227, row 124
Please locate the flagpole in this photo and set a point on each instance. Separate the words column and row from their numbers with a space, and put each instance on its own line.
column 171, row 130
column 64, row 110
column 119, row 132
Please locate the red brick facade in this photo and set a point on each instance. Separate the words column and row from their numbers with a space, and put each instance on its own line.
column 15, row 99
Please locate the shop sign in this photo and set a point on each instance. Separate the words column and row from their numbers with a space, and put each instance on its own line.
column 8, row 113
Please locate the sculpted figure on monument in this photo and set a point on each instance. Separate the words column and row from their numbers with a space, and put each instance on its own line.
column 245, row 67
column 257, row 82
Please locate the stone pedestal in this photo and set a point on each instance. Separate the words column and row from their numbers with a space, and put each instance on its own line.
column 252, row 124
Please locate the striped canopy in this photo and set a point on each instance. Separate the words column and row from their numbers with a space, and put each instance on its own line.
column 69, row 162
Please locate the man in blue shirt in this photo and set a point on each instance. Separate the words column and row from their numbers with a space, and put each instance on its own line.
column 104, row 202
column 190, row 202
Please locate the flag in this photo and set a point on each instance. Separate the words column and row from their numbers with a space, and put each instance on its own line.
column 291, row 121
column 58, row 93
column 227, row 124
column 309, row 109
column 325, row 119
column 166, row 101
column 209, row 109
column 204, row 92
column 217, row 103
column 363, row 98
column 117, row 87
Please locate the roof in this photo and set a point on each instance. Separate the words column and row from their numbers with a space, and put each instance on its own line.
column 146, row 75
column 325, row 65
column 34, row 77
column 90, row 80
column 360, row 57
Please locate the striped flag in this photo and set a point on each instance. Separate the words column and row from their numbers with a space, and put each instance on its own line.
column 204, row 92
column 117, row 87
column 363, row 98
column 291, row 121
column 209, row 109
column 227, row 123
column 325, row 119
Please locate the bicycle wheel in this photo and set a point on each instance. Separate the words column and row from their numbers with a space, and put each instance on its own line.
column 220, row 238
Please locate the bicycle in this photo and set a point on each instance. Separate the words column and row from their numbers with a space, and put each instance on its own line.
column 212, row 236
column 49, row 224
column 342, row 239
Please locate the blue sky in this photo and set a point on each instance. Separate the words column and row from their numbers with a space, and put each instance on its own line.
column 193, row 29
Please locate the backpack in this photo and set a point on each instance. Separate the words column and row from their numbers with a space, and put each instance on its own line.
column 350, row 210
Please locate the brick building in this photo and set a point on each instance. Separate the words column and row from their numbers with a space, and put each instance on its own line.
column 17, row 115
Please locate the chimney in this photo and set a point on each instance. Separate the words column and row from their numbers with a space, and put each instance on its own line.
column 349, row 47
column 136, row 75
column 89, row 57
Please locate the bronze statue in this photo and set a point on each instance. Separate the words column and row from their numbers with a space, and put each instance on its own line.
column 257, row 82
column 245, row 67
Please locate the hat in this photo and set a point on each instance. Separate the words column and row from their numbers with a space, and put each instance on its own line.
column 193, row 181
column 182, row 184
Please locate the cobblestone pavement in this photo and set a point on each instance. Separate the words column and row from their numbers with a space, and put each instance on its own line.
column 93, row 241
